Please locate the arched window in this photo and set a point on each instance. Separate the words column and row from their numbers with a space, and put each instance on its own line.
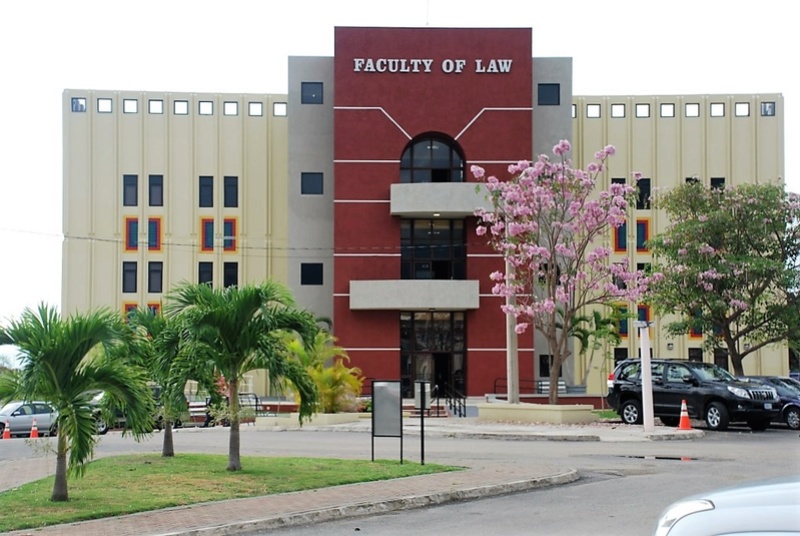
column 432, row 158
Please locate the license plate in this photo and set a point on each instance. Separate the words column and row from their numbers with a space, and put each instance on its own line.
column 767, row 406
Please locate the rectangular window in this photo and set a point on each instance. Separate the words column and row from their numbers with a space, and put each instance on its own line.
column 255, row 108
column 79, row 104
column 311, row 92
column 128, row 277
column 155, row 277
column 155, row 106
column 618, row 110
column 621, row 238
column 643, row 110
column 643, row 313
column 279, row 109
column 549, row 94
column 180, row 107
column 206, row 191
column 104, row 106
column 593, row 111
column 643, row 201
column 667, row 109
column 696, row 354
column 156, row 190
column 717, row 182
column 767, row 109
column 205, row 272
column 622, row 328
column 696, row 332
column 311, row 183
column 154, row 234
column 130, row 190
column 229, row 234
column 231, row 192
column 642, row 234
column 130, row 106
column 131, row 234
column 717, row 109
column 154, row 308
column 620, row 354
column 692, row 180
column 311, row 273
column 128, row 309
column 574, row 111
column 205, row 108
column 692, row 109
column 230, row 108
column 230, row 274
column 741, row 109
column 207, row 234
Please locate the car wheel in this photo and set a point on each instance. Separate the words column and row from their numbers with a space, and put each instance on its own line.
column 758, row 425
column 53, row 431
column 631, row 411
column 793, row 418
column 717, row 417
column 102, row 426
column 670, row 421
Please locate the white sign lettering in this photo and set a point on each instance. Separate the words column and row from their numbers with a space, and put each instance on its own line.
column 425, row 65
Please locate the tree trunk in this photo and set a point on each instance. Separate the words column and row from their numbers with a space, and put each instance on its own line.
column 168, row 449
column 60, row 484
column 234, row 460
column 736, row 361
column 555, row 367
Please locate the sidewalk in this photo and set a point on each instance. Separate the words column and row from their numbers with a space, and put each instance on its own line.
column 480, row 479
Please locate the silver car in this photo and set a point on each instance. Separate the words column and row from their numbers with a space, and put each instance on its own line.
column 753, row 508
column 19, row 416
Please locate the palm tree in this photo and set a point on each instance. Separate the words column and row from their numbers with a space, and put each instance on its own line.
column 157, row 342
column 239, row 329
column 65, row 361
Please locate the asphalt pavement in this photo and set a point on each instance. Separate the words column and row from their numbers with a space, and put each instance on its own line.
column 480, row 478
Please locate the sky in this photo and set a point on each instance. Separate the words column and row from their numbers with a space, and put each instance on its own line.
column 618, row 47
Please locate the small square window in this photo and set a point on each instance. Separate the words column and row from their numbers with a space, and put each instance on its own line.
column 768, row 109
column 79, row 104
column 155, row 106
column 311, row 183
column 717, row 109
column 130, row 106
column 593, row 111
column 692, row 180
column 279, row 109
column 717, row 183
column 742, row 109
column 104, row 106
column 205, row 108
column 574, row 111
column 692, row 109
column 617, row 110
column 230, row 108
column 667, row 109
column 180, row 107
column 255, row 108
column 643, row 110
column 549, row 94
column 311, row 273
column 311, row 92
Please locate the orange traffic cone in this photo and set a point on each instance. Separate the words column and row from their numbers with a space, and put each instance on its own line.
column 684, row 423
column 34, row 430
column 7, row 430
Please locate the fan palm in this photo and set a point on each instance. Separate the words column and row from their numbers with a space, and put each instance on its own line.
column 239, row 329
column 64, row 362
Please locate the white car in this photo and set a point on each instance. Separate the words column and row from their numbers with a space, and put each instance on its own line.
column 749, row 509
column 19, row 416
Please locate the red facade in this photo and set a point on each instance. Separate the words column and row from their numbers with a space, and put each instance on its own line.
column 392, row 85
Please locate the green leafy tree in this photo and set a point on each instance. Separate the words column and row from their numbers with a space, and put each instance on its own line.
column 238, row 329
column 731, row 265
column 64, row 361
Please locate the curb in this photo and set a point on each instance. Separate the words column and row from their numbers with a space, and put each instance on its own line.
column 367, row 509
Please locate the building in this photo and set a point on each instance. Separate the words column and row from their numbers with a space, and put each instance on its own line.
column 354, row 190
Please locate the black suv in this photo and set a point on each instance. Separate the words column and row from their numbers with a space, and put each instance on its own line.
column 711, row 394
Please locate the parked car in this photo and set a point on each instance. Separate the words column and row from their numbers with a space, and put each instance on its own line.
column 120, row 419
column 789, row 391
column 753, row 508
column 19, row 417
column 711, row 394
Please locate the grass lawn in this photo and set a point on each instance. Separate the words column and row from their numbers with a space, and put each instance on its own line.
column 606, row 414
column 128, row 484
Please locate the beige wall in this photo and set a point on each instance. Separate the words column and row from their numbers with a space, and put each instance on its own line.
column 667, row 150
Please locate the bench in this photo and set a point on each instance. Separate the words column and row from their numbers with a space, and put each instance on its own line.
column 543, row 387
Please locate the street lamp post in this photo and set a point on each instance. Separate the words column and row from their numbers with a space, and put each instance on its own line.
column 647, row 375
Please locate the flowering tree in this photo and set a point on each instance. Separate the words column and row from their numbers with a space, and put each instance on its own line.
column 731, row 260
column 550, row 223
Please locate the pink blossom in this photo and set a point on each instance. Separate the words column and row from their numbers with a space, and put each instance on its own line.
column 477, row 171
column 520, row 328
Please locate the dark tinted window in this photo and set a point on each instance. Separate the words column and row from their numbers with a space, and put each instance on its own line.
column 130, row 190
column 311, row 274
column 311, row 92
column 128, row 276
column 156, row 190
column 206, row 191
column 155, row 277
column 205, row 272
column 230, row 274
column 311, row 183
column 231, row 192
column 549, row 94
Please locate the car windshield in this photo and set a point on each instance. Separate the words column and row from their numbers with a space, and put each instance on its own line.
column 712, row 373
column 9, row 408
column 789, row 386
